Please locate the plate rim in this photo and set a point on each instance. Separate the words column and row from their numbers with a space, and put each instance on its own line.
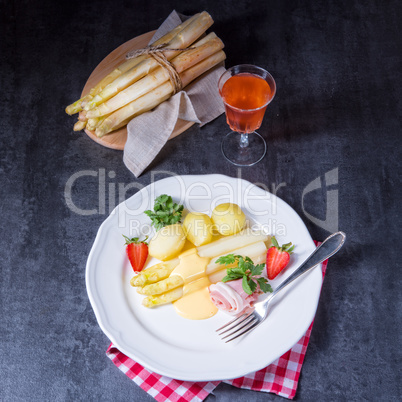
column 103, row 321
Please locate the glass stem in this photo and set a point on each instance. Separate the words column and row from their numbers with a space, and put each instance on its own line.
column 243, row 140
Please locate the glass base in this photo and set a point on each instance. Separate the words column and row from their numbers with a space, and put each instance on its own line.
column 243, row 149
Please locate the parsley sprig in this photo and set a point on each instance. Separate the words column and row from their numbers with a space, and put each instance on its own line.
column 246, row 270
column 165, row 212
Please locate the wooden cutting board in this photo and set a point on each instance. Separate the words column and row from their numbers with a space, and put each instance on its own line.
column 118, row 138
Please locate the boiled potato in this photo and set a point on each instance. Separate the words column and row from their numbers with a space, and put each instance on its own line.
column 198, row 228
column 167, row 242
column 228, row 219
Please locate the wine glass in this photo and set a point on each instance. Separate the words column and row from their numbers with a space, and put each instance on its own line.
column 246, row 91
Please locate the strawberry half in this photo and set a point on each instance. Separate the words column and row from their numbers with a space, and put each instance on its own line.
column 137, row 252
column 278, row 257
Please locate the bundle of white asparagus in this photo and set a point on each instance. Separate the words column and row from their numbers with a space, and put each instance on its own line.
column 140, row 84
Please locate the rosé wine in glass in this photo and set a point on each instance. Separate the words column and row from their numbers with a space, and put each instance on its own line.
column 246, row 97
column 246, row 91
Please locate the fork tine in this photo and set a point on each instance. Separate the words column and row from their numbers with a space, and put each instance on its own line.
column 252, row 321
column 245, row 331
column 232, row 321
column 243, row 321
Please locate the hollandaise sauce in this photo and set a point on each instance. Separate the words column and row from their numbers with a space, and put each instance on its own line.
column 195, row 304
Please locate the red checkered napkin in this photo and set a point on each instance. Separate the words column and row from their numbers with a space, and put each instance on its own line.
column 280, row 377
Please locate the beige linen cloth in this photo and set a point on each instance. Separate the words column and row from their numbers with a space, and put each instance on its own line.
column 199, row 102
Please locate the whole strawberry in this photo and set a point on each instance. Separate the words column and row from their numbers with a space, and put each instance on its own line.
column 137, row 252
column 277, row 258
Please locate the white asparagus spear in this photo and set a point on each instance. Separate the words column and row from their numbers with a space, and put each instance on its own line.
column 80, row 125
column 229, row 243
column 182, row 40
column 257, row 252
column 77, row 105
column 155, row 273
column 172, row 282
column 130, row 63
column 122, row 68
column 252, row 250
column 203, row 49
column 164, row 298
column 176, row 293
column 158, row 95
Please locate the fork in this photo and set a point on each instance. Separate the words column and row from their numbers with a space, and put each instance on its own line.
column 246, row 322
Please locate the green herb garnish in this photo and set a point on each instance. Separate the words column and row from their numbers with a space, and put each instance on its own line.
column 165, row 212
column 245, row 270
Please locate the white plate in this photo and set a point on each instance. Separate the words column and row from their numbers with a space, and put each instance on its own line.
column 170, row 345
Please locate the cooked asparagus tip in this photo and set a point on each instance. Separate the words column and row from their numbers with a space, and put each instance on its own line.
column 172, row 282
column 155, row 273
column 96, row 122
column 140, row 291
column 92, row 124
column 80, row 125
column 165, row 298
column 77, row 105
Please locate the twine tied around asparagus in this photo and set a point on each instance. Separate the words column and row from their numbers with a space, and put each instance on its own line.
column 157, row 53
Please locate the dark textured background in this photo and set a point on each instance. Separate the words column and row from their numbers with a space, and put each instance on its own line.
column 337, row 66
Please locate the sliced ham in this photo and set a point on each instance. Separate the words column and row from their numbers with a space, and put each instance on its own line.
column 231, row 298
